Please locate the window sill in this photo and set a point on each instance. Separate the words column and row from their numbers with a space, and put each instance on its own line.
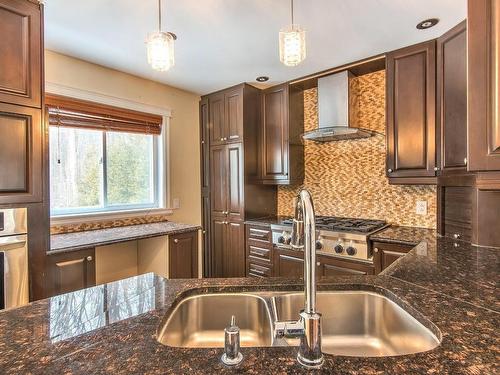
column 102, row 216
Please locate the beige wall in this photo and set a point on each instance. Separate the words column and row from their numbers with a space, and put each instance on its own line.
column 184, row 130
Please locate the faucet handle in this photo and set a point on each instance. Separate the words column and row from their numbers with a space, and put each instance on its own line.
column 232, row 355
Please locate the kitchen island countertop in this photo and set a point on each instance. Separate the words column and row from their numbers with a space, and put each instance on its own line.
column 112, row 328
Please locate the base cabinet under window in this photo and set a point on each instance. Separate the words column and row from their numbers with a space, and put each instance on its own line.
column 71, row 271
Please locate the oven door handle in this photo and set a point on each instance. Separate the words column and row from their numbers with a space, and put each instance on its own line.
column 13, row 242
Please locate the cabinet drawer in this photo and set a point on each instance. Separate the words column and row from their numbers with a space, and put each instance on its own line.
column 259, row 270
column 259, row 252
column 259, row 234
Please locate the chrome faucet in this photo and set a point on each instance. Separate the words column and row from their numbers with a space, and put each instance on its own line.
column 308, row 327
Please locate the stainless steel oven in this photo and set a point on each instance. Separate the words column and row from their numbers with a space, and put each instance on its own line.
column 13, row 258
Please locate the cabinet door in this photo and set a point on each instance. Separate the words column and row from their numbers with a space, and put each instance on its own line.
column 218, row 242
column 233, row 101
column 235, row 179
column 20, row 53
column 384, row 254
column 483, row 66
column 183, row 255
column 288, row 265
column 234, row 250
column 219, row 180
column 274, row 133
column 411, row 114
column 452, row 98
column 72, row 271
column 20, row 154
column 216, row 119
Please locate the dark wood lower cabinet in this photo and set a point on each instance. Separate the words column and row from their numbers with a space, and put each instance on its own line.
column 228, row 247
column 337, row 267
column 384, row 254
column 71, row 271
column 183, row 255
column 290, row 263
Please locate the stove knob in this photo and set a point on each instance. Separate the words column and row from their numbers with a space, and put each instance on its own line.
column 319, row 245
column 288, row 240
column 351, row 250
column 281, row 239
column 338, row 249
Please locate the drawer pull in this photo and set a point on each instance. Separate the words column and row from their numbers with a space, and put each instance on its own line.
column 257, row 271
column 176, row 240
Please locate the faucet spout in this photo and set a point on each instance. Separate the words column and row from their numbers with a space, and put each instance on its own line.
column 308, row 327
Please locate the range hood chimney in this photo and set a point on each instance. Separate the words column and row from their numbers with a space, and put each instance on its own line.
column 337, row 109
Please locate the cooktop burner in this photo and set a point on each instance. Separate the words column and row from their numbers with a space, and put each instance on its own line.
column 344, row 224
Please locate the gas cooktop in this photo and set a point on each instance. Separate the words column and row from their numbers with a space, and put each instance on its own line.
column 344, row 224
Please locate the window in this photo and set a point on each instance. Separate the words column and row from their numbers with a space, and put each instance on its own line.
column 101, row 168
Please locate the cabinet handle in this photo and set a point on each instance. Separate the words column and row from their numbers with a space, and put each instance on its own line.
column 375, row 250
column 89, row 258
column 465, row 161
column 389, row 170
column 176, row 240
column 318, row 264
column 456, row 236
column 436, row 169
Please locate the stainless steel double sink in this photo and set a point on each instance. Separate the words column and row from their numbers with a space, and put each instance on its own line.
column 354, row 323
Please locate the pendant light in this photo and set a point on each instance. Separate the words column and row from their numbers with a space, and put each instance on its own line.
column 292, row 43
column 160, row 47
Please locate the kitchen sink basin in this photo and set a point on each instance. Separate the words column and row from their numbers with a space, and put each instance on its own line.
column 199, row 321
column 360, row 323
column 354, row 323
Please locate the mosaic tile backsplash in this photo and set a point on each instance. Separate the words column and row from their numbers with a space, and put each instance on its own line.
column 80, row 227
column 347, row 178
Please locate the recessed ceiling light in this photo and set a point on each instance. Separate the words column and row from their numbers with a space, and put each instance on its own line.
column 262, row 79
column 427, row 23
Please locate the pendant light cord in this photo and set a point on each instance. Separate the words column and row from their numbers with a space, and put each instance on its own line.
column 159, row 15
column 291, row 7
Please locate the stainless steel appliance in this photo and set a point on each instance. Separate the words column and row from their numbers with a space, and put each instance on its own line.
column 14, row 289
column 338, row 236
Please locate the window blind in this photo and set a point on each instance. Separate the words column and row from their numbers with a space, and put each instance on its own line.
column 76, row 113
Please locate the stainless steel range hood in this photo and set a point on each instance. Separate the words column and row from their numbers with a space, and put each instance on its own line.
column 337, row 110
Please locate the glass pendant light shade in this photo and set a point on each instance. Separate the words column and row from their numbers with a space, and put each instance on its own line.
column 160, row 46
column 292, row 41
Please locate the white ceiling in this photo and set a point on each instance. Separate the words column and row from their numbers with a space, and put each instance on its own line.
column 225, row 42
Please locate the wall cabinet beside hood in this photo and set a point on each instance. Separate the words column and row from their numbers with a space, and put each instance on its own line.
column 426, row 109
column 281, row 150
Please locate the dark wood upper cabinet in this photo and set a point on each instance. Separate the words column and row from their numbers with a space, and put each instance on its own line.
column 483, row 85
column 275, row 133
column 72, row 271
column 20, row 53
column 452, row 99
column 20, row 154
column 233, row 102
column 226, row 116
column 234, row 174
column 218, row 177
column 281, row 149
column 411, row 112
column 183, row 255
column 217, row 119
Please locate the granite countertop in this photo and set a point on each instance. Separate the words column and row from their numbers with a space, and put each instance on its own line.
column 112, row 328
column 404, row 235
column 60, row 243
